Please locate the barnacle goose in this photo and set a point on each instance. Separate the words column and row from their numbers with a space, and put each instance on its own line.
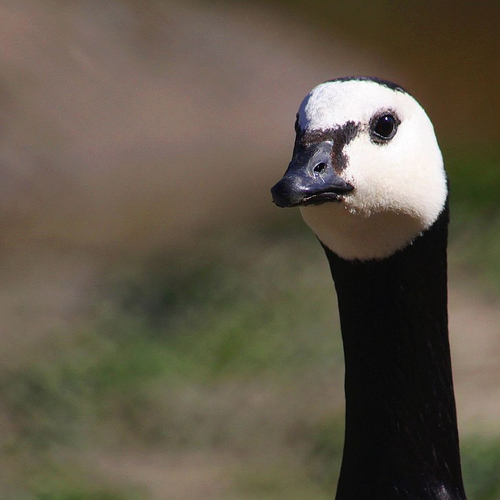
column 367, row 174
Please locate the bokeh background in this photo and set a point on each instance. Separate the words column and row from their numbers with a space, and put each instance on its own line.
column 167, row 333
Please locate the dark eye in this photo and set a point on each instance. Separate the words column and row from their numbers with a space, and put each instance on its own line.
column 384, row 127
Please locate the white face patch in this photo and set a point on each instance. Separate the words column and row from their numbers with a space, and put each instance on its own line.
column 399, row 185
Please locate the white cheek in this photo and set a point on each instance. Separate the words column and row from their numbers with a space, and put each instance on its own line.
column 353, row 235
column 399, row 191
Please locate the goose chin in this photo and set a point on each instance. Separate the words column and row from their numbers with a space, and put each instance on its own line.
column 320, row 198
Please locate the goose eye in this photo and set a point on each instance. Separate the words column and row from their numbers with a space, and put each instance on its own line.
column 384, row 127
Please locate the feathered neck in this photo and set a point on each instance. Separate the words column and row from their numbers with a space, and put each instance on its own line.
column 401, row 439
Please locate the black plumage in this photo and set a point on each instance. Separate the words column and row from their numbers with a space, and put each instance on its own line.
column 401, row 429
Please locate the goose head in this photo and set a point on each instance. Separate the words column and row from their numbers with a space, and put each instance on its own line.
column 366, row 171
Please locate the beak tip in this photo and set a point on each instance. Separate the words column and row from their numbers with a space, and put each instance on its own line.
column 283, row 194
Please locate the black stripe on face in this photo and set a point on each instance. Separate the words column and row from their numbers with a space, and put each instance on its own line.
column 340, row 136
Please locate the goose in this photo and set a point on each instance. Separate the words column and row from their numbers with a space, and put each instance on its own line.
column 367, row 175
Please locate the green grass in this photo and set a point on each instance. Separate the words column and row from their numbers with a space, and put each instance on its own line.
column 481, row 467
column 172, row 359
column 475, row 211
column 276, row 483
column 166, row 357
column 147, row 364
column 475, row 178
column 83, row 495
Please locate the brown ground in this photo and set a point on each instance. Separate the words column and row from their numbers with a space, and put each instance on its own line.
column 475, row 337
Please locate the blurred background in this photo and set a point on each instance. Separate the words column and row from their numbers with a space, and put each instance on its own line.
column 168, row 333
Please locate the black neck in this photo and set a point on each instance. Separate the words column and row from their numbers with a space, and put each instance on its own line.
column 401, row 438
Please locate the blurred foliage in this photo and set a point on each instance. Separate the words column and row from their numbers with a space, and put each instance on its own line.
column 327, row 442
column 475, row 210
column 474, row 178
column 148, row 364
column 176, row 358
column 481, row 467
column 276, row 483
column 82, row 495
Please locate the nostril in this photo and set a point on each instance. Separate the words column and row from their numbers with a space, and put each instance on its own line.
column 320, row 167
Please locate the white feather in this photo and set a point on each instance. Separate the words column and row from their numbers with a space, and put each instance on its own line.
column 400, row 187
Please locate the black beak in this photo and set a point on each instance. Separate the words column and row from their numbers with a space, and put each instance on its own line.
column 310, row 178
